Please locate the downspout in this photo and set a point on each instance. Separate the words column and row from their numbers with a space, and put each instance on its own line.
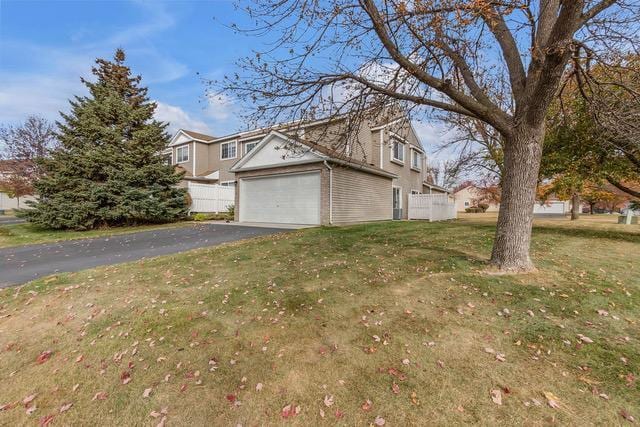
column 381, row 149
column 330, row 192
column 194, row 158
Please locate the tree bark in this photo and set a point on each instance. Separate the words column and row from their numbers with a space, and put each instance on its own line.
column 575, row 206
column 522, row 154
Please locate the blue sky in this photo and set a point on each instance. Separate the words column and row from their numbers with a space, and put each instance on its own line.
column 45, row 46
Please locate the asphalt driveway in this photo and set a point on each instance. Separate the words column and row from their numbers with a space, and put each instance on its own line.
column 24, row 263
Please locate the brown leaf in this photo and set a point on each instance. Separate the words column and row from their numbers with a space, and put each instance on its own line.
column 627, row 416
column 496, row 396
column 147, row 392
column 43, row 357
column 125, row 377
column 290, row 411
column 101, row 395
column 28, row 399
column 552, row 400
column 379, row 421
column 328, row 400
column 46, row 420
column 66, row 407
column 366, row 406
column 395, row 388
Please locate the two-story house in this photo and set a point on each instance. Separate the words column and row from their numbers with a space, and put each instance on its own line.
column 309, row 173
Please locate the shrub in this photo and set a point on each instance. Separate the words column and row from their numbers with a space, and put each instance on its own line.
column 483, row 207
column 201, row 217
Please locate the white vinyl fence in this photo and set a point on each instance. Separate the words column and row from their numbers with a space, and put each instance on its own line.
column 210, row 198
column 434, row 207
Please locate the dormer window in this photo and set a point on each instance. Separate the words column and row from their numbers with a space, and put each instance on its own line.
column 182, row 154
column 397, row 151
column 248, row 146
column 416, row 160
column 228, row 150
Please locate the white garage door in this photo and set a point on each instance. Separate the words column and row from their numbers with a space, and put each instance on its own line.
column 292, row 199
column 549, row 208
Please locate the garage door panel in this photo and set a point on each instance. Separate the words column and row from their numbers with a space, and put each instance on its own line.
column 293, row 198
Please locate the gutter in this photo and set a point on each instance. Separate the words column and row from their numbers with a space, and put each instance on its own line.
column 330, row 191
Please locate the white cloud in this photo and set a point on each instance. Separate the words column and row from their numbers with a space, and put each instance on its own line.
column 179, row 119
column 219, row 107
column 56, row 70
column 433, row 134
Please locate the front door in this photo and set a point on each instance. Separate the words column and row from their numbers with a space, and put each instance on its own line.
column 397, row 203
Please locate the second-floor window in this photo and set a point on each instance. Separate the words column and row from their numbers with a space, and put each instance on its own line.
column 228, row 150
column 416, row 159
column 250, row 146
column 182, row 154
column 398, row 151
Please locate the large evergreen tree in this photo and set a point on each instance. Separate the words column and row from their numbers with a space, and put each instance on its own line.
column 108, row 169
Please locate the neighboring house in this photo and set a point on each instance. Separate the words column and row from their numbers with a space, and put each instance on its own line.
column 7, row 168
column 307, row 173
column 470, row 196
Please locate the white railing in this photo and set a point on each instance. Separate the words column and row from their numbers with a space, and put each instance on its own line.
column 210, row 198
column 434, row 207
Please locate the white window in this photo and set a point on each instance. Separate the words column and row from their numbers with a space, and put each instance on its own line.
column 415, row 192
column 416, row 159
column 248, row 146
column 397, row 152
column 182, row 154
column 228, row 150
column 228, row 183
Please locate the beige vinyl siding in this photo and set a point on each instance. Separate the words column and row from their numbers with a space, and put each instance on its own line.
column 360, row 196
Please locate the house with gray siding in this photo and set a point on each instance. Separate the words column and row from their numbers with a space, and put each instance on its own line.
column 308, row 173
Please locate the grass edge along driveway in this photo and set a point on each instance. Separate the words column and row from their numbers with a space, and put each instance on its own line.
column 26, row 234
column 393, row 321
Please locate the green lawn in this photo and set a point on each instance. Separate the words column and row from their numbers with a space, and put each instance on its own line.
column 27, row 234
column 394, row 320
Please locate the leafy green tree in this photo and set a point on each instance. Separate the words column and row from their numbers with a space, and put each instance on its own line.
column 108, row 169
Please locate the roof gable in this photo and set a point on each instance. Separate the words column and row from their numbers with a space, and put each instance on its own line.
column 276, row 149
column 184, row 136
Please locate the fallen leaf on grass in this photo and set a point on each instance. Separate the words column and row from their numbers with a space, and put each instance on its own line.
column 627, row 416
column 328, row 401
column 585, row 339
column 366, row 406
column 46, row 420
column 66, row 407
column 290, row 411
column 28, row 399
column 259, row 386
column 31, row 409
column 8, row 406
column 395, row 388
column 496, row 396
column 552, row 400
column 43, row 357
column 147, row 392
column 101, row 395
column 231, row 398
column 125, row 377
column 414, row 398
column 379, row 421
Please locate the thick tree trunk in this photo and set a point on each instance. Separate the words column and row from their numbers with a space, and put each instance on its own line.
column 575, row 206
column 522, row 154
